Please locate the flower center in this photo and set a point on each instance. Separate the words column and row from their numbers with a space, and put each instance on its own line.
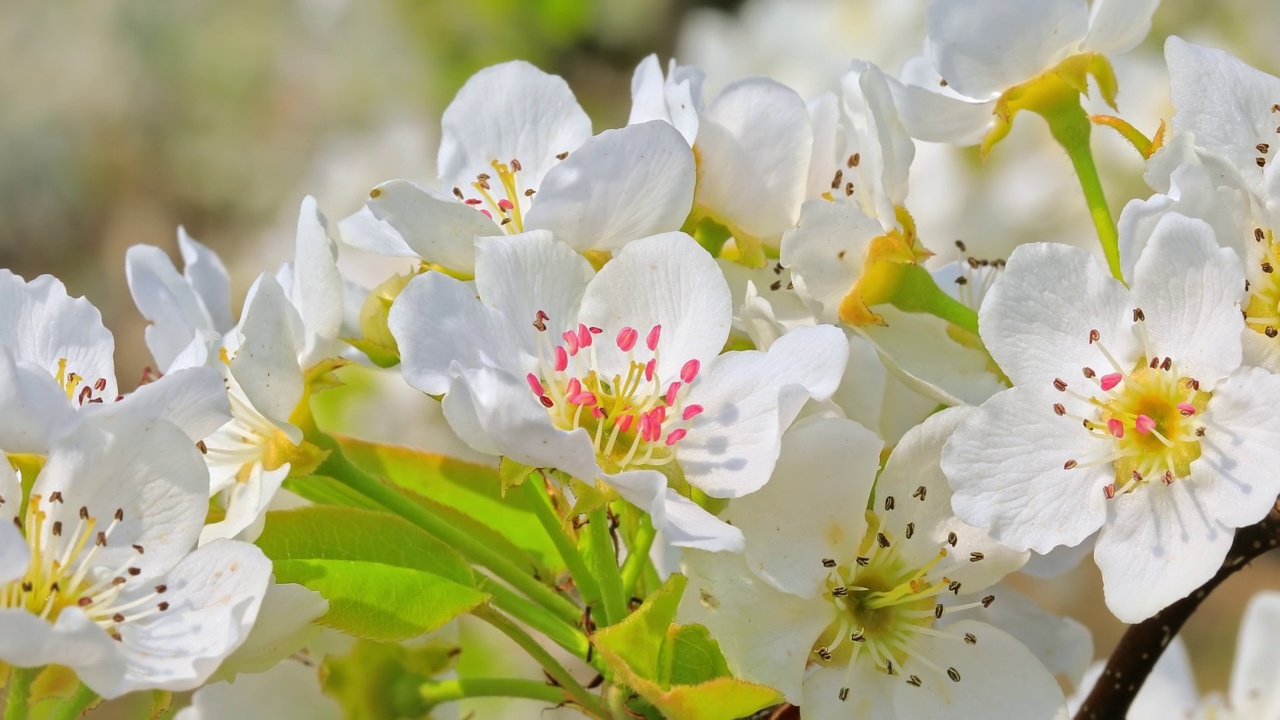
column 500, row 201
column 1146, row 413
column 886, row 604
column 61, row 573
column 634, row 419
column 79, row 391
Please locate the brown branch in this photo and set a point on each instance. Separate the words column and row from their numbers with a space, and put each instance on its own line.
column 1142, row 644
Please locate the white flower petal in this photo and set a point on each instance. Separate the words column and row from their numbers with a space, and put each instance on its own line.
column 1157, row 546
column 73, row 640
column 1190, row 288
column 1062, row 645
column 517, row 276
column 870, row 692
column 43, row 326
column 922, row 353
column 1005, row 466
column 813, row 507
column 827, row 250
column 15, row 554
column 436, row 228
column 363, row 230
column 620, row 185
column 675, row 100
column 205, row 273
column 288, row 691
column 247, row 502
column 754, row 145
column 317, row 285
column 194, row 399
column 680, row 521
column 828, row 143
column 167, row 301
column 1036, row 319
column 1254, row 676
column 886, row 148
column 999, row 678
column 284, row 625
column 749, row 399
column 36, row 408
column 1058, row 560
column 266, row 363
column 505, row 112
column 667, row 280
column 984, row 47
column 932, row 114
column 214, row 595
column 1117, row 26
column 1235, row 476
column 766, row 635
column 148, row 470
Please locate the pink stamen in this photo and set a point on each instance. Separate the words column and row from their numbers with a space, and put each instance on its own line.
column 472, row 201
column 571, row 339
column 595, row 330
column 654, row 334
column 535, row 385
column 1187, row 409
column 585, row 398
column 649, row 367
column 487, row 213
column 584, row 336
column 672, row 389
column 690, row 371
column 572, row 389
column 627, row 338
column 562, row 359
column 546, row 401
column 1116, row 428
column 504, row 204
column 659, row 414
column 597, row 413
column 676, row 436
column 1110, row 381
column 624, row 422
column 691, row 411
column 1109, row 491
column 1144, row 424
column 646, row 426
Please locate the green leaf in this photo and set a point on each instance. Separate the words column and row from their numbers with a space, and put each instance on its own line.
column 677, row 668
column 384, row 578
column 468, row 488
column 512, row 473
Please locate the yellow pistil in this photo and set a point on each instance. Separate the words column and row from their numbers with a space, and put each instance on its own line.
column 1166, row 440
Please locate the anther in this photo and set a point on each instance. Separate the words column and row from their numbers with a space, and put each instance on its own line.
column 882, row 540
column 1269, row 331
column 848, row 189
column 1266, row 267
column 938, row 610
column 118, row 617
column 515, row 165
column 839, row 178
column 162, row 588
column 1168, row 477
column 911, row 530
column 1069, row 464
column 888, row 503
column 840, row 591
column 844, row 694
column 84, row 602
column 57, row 528
column 976, row 557
column 776, row 285
column 858, row 636
column 888, row 667
column 163, row 606
column 824, row 653
column 119, row 516
column 854, row 159
column 1261, row 161
column 202, row 447
column 920, row 492
column 562, row 155
column 84, row 513
column 1258, row 234
column 457, row 192
column 55, row 496
column 138, row 548
column 863, row 561
column 954, row 587
column 960, row 246
column 1109, row 491
column 1166, row 364
column 828, row 563
column 102, row 539
column 986, row 601
column 134, row 571
column 914, row 681
column 953, row 674
column 1094, row 336
column 1088, row 372
column 1186, row 409
column 1200, row 431
column 952, row 539
column 1059, row 409
column 1059, row 385
column 962, row 280
column 529, row 192
column 971, row 639
column 1155, row 363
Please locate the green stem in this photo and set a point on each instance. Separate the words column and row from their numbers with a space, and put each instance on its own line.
column 536, row 491
column 589, row 703
column 20, row 680
column 536, row 617
column 443, row 691
column 76, row 705
column 917, row 291
column 606, row 567
column 1071, row 128
column 637, row 556
column 339, row 468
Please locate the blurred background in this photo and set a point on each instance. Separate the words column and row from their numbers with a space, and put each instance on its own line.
column 121, row 121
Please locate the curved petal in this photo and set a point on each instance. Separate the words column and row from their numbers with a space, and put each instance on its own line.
column 931, row 114
column 15, row 554
column 1190, row 290
column 73, row 640
column 317, row 285
column 166, row 300
column 436, row 228
column 923, row 353
column 288, row 691
column 363, row 230
column 266, row 363
column 766, row 635
column 505, row 112
column 246, row 502
column 1058, row 560
column 682, row 522
column 284, row 625
column 749, row 398
column 886, row 148
column 1235, row 475
column 213, row 599
column 1254, row 676
column 1005, row 464
column 1117, row 26
column 999, row 678
column 813, row 507
column 1062, row 645
column 620, row 185
column 666, row 280
column 675, row 100
column 47, row 328
column 36, row 407
column 754, row 145
column 1157, row 546
column 827, row 250
column 1037, row 318
column 204, row 272
column 194, row 399
column 145, row 473
column 984, row 47
column 870, row 696
column 521, row 275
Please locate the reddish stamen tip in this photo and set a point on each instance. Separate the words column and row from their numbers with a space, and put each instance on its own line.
column 487, row 213
column 1109, row 491
column 1110, row 381
column 597, row 413
column 691, row 411
column 690, row 371
column 535, row 385
column 571, row 339
column 504, row 204
column 562, row 359
column 1115, row 427
column 672, row 389
column 649, row 367
column 676, row 436
column 624, row 422
column 585, row 399
column 595, row 330
column 646, row 427
column 546, row 401
column 627, row 337
column 1144, row 424
column 584, row 336
column 654, row 334
column 472, row 201
column 572, row 389
column 1187, row 409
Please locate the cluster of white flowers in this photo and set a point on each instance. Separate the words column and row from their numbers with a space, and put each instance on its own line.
column 723, row 319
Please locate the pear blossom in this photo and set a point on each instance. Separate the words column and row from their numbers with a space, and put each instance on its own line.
column 288, row 691
column 858, row 608
column 1130, row 415
column 616, row 375
column 981, row 57
column 517, row 153
column 675, row 98
column 97, row 572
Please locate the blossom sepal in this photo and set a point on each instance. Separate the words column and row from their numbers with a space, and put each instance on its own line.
column 1054, row 95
